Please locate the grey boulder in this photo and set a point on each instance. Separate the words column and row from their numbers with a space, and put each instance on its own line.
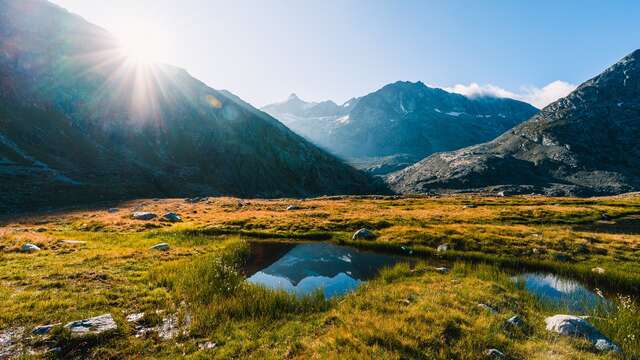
column 569, row 325
column 29, row 248
column 161, row 247
column 363, row 234
column 143, row 215
column 171, row 217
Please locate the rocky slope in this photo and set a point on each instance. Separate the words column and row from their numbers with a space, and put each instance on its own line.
column 587, row 143
column 400, row 123
column 80, row 122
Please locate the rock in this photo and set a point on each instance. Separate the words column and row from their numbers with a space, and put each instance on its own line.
column 135, row 317
column 171, row 217
column 27, row 248
column 44, row 329
column 515, row 321
column 470, row 206
column 293, row 207
column 169, row 328
column 10, row 345
column 501, row 194
column 143, row 215
column 494, row 354
column 488, row 308
column 405, row 302
column 364, row 234
column 161, row 247
column 92, row 326
column 207, row 345
column 443, row 270
column 569, row 325
column 113, row 210
column 598, row 270
column 442, row 248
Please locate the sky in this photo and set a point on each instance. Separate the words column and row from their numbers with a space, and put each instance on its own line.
column 264, row 50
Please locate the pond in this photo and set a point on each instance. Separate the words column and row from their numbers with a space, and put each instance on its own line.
column 307, row 267
column 303, row 268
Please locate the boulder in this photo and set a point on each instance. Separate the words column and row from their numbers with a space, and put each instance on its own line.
column 494, row 354
column 515, row 321
column 29, row 248
column 44, row 329
column 470, row 206
column 161, row 247
column 143, row 215
column 442, row 270
column 598, row 270
column 293, row 207
column 92, row 326
column 488, row 308
column 363, row 234
column 171, row 217
column 569, row 325
column 442, row 248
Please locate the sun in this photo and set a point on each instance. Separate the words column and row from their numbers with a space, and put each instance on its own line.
column 142, row 45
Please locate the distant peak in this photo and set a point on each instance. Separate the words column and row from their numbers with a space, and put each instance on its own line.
column 293, row 96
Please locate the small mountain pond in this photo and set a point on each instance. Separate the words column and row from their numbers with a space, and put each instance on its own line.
column 303, row 268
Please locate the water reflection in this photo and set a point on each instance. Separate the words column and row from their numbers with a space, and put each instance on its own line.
column 304, row 268
column 561, row 292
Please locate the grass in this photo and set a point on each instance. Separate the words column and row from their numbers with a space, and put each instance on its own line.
column 403, row 314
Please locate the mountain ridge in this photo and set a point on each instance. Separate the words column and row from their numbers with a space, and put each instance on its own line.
column 583, row 144
column 80, row 122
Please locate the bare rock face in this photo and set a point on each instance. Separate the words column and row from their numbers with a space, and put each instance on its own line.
column 584, row 144
column 569, row 325
column 92, row 326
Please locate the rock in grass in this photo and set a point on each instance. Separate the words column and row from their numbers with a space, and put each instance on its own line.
column 488, row 308
column 598, row 270
column 494, row 354
column 44, row 329
column 442, row 270
column 442, row 248
column 363, row 234
column 161, row 247
column 515, row 321
column 207, row 345
column 92, row 326
column 143, row 215
column 470, row 206
column 171, row 217
column 27, row 248
column 569, row 325
column 293, row 207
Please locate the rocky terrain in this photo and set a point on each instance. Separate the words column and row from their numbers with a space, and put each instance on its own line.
column 587, row 143
column 80, row 122
column 400, row 124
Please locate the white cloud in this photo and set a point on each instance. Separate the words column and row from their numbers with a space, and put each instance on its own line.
column 538, row 97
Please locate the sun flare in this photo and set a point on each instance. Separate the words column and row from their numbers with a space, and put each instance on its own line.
column 142, row 45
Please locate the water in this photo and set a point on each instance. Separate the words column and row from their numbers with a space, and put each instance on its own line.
column 308, row 267
column 561, row 292
column 303, row 268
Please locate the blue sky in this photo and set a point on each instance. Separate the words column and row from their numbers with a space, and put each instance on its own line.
column 262, row 50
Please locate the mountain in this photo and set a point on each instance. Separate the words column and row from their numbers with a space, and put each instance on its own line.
column 400, row 123
column 587, row 143
column 80, row 122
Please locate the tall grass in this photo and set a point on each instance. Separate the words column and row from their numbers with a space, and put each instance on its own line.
column 216, row 291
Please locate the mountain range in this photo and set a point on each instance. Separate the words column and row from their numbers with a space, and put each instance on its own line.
column 587, row 143
column 80, row 122
column 400, row 123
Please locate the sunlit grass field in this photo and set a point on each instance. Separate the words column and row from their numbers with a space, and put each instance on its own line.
column 405, row 313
